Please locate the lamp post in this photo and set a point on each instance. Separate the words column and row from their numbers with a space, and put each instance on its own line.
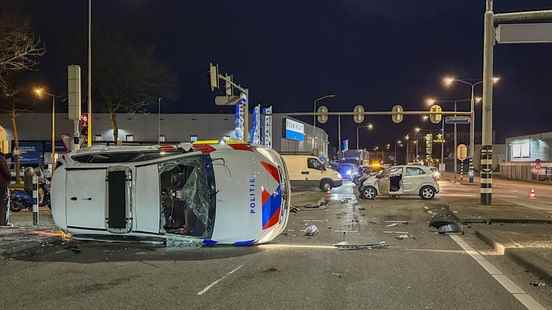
column 407, row 138
column 417, row 130
column 399, row 142
column 316, row 103
column 41, row 92
column 89, row 133
column 370, row 126
column 448, row 81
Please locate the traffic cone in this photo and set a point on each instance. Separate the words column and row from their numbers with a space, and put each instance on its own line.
column 532, row 194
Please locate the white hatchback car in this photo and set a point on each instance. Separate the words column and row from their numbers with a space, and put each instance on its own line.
column 401, row 180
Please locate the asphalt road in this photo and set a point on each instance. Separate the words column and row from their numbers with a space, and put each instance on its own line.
column 424, row 271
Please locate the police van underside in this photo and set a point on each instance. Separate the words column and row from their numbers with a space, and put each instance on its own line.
column 202, row 196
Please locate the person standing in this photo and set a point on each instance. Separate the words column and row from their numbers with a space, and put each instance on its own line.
column 5, row 177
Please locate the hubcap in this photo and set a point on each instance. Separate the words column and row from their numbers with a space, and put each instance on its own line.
column 369, row 193
column 428, row 192
column 327, row 187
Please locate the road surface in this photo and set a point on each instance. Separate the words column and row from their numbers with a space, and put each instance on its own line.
column 424, row 271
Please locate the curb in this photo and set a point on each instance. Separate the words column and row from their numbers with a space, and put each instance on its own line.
column 523, row 257
column 533, row 263
column 497, row 246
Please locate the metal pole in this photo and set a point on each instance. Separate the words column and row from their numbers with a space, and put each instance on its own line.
column 487, row 136
column 417, row 155
column 443, row 141
column 159, row 120
column 53, row 129
column 35, row 200
column 472, row 134
column 395, row 153
column 455, row 147
column 314, row 116
column 339, row 134
column 89, row 72
column 407, row 143
column 357, row 137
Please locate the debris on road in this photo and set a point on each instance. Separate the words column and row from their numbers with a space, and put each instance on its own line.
column 396, row 222
column 294, row 210
column 337, row 274
column 395, row 232
column 311, row 230
column 450, row 228
column 536, row 283
column 344, row 245
column 392, row 225
column 271, row 269
column 402, row 236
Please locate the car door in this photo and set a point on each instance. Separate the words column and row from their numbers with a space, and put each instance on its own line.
column 413, row 177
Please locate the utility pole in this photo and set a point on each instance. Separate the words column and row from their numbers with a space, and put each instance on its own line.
column 443, row 141
column 89, row 140
column 487, row 129
column 339, row 134
column 455, row 146
column 159, row 120
column 471, row 172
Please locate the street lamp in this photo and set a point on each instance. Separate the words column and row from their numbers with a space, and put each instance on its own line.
column 399, row 142
column 370, row 126
column 316, row 103
column 40, row 92
column 448, row 81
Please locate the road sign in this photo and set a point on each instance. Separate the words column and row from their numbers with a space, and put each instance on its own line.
column 461, row 152
column 227, row 100
column 524, row 33
column 322, row 118
column 459, row 120
column 397, row 117
column 435, row 118
column 358, row 117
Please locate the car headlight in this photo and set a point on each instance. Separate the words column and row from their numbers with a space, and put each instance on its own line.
column 349, row 172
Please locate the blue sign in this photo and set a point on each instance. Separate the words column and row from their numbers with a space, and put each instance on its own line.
column 294, row 130
column 31, row 153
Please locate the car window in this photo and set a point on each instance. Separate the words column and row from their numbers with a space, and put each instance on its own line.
column 314, row 163
column 414, row 171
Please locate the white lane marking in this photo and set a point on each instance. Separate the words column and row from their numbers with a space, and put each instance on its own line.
column 203, row 291
column 516, row 291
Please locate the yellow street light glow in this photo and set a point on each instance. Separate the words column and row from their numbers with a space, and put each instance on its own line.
column 448, row 81
column 407, row 137
column 38, row 91
column 370, row 126
column 430, row 101
column 496, row 79
column 417, row 129
column 478, row 99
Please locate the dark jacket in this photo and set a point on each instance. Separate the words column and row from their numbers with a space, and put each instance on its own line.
column 5, row 175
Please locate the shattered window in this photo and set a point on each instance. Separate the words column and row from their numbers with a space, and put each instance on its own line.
column 187, row 196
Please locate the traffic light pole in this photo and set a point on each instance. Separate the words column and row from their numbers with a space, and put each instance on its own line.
column 487, row 136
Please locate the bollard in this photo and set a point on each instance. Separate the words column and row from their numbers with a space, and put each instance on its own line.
column 35, row 200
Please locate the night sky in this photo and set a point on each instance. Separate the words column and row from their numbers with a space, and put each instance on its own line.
column 375, row 53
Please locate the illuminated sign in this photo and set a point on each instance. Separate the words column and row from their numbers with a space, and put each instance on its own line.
column 294, row 130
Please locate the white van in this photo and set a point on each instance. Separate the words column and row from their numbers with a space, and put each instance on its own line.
column 308, row 170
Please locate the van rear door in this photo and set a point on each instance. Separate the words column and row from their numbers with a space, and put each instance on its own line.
column 86, row 198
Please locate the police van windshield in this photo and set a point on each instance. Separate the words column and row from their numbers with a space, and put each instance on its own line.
column 187, row 195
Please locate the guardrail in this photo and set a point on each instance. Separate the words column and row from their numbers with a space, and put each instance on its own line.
column 527, row 171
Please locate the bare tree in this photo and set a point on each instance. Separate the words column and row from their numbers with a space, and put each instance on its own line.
column 20, row 48
column 13, row 101
column 129, row 78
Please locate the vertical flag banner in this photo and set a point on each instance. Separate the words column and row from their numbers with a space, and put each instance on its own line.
column 255, row 130
column 267, row 128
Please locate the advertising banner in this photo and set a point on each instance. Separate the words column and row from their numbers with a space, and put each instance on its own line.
column 267, row 127
column 294, row 130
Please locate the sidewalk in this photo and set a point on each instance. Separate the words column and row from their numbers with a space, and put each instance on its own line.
column 22, row 236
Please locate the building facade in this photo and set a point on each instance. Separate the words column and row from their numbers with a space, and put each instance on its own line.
column 150, row 128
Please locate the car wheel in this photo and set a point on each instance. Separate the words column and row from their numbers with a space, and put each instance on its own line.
column 427, row 192
column 368, row 192
column 325, row 185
